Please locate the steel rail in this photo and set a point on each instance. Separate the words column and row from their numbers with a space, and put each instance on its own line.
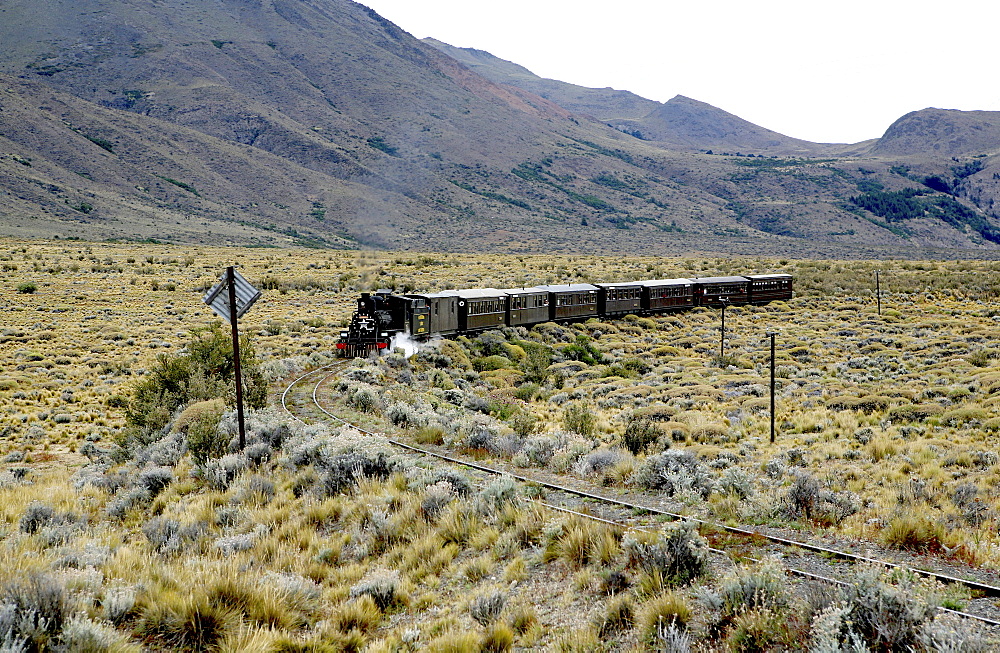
column 988, row 590
column 284, row 395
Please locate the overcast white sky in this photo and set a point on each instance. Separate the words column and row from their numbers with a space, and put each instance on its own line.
column 822, row 71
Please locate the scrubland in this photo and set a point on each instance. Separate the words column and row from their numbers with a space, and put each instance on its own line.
column 122, row 535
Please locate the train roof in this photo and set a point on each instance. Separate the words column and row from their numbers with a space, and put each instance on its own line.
column 535, row 290
column 619, row 284
column 762, row 277
column 720, row 279
column 481, row 293
column 568, row 287
column 666, row 282
column 434, row 295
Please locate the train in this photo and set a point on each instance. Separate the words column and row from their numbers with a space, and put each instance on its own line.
column 383, row 315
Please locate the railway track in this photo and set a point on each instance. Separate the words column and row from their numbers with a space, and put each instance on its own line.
column 728, row 541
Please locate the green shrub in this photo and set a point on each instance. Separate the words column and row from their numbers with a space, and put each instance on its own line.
column 914, row 412
column 203, row 436
column 524, row 423
column 27, row 288
column 580, row 419
column 639, row 434
column 206, row 371
column 526, row 392
column 582, row 350
column 537, row 359
column 964, row 415
column 489, row 363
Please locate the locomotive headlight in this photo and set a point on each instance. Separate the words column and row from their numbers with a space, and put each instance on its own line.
column 384, row 334
column 343, row 334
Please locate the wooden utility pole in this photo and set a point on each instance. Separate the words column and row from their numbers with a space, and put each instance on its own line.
column 878, row 293
column 771, row 334
column 722, row 335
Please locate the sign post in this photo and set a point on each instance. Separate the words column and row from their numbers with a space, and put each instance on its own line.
column 230, row 299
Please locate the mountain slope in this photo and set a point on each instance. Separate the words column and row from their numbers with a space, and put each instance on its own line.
column 942, row 133
column 603, row 103
column 319, row 122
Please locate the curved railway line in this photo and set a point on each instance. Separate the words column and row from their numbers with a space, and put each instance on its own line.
column 628, row 514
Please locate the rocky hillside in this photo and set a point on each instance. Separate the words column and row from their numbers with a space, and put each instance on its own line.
column 935, row 133
column 318, row 122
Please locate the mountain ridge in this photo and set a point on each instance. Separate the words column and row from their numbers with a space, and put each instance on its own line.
column 680, row 122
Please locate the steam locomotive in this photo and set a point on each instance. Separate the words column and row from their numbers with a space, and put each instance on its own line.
column 383, row 315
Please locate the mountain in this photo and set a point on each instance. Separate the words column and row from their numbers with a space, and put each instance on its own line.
column 602, row 103
column 680, row 123
column 318, row 122
column 942, row 132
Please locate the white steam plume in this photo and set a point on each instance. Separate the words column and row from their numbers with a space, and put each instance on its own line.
column 406, row 343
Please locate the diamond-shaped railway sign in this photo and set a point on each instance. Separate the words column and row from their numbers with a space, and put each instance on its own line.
column 218, row 296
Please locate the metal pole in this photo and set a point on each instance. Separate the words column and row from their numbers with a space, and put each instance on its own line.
column 771, row 335
column 231, row 280
column 878, row 293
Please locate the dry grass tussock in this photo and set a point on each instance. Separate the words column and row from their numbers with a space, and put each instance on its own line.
column 318, row 539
